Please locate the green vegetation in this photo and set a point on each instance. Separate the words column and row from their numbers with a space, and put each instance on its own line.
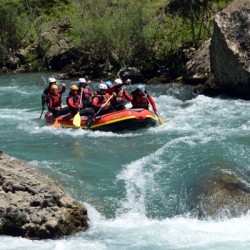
column 111, row 32
column 117, row 32
column 14, row 27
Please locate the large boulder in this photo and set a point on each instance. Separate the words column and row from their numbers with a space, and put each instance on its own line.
column 33, row 206
column 230, row 49
column 221, row 191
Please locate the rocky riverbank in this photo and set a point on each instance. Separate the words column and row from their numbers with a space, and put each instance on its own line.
column 34, row 206
column 219, row 66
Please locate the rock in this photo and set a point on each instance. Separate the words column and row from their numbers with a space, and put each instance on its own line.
column 221, row 65
column 198, row 67
column 131, row 73
column 33, row 206
column 12, row 63
column 222, row 192
column 230, row 49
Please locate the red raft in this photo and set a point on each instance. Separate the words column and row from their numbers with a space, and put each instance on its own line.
column 128, row 119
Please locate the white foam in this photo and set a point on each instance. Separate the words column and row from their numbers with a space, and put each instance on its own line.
column 177, row 232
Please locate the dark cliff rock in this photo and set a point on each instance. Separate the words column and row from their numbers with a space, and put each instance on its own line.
column 33, row 206
column 198, row 72
column 230, row 49
column 198, row 68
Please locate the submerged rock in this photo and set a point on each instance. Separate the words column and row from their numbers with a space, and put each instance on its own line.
column 222, row 193
column 33, row 206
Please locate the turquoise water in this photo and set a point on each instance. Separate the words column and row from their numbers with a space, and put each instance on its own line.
column 136, row 185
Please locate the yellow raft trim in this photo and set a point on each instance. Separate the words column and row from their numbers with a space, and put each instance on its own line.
column 121, row 119
column 114, row 120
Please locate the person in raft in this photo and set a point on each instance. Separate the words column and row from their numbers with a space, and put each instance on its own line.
column 141, row 99
column 109, row 85
column 75, row 105
column 51, row 81
column 54, row 100
column 86, row 94
column 102, row 100
column 122, row 95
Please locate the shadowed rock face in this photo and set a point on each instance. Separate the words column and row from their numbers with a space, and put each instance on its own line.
column 230, row 49
column 33, row 206
column 199, row 65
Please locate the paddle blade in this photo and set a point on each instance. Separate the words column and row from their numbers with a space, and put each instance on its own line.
column 56, row 123
column 161, row 121
column 77, row 120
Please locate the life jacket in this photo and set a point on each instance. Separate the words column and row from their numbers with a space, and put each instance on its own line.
column 102, row 99
column 139, row 101
column 119, row 99
column 54, row 101
column 76, row 101
column 86, row 94
column 46, row 94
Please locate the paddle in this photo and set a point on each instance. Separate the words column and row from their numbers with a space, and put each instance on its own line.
column 56, row 123
column 89, row 124
column 43, row 108
column 77, row 117
column 44, row 99
column 161, row 121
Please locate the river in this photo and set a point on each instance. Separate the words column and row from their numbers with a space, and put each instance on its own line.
column 134, row 184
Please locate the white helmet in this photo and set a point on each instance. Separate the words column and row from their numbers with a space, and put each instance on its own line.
column 103, row 86
column 52, row 79
column 82, row 80
column 118, row 81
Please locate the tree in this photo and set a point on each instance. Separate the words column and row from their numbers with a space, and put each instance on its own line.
column 14, row 27
column 198, row 15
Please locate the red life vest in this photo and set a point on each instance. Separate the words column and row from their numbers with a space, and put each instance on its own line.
column 86, row 94
column 101, row 100
column 55, row 100
column 75, row 103
column 119, row 97
column 139, row 101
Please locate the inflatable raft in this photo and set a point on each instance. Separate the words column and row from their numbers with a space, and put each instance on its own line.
column 128, row 119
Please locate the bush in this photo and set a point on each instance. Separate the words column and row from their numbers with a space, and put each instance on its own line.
column 114, row 33
column 15, row 27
